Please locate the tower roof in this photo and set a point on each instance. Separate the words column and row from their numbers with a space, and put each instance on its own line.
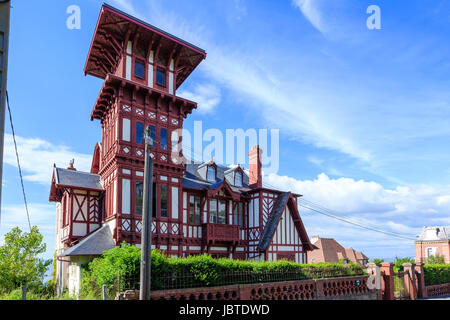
column 113, row 29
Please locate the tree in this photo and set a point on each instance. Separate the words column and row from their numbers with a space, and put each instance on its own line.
column 19, row 261
column 377, row 260
column 398, row 264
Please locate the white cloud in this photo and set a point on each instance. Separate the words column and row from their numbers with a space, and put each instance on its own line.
column 37, row 157
column 311, row 12
column 207, row 97
column 404, row 210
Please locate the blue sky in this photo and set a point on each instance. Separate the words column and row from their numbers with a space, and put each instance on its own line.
column 363, row 114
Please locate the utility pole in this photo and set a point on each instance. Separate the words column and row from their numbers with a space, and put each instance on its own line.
column 146, row 236
column 5, row 11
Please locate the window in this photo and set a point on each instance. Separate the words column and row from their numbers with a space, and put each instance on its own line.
column 211, row 175
column 139, row 132
column 212, row 211
column 152, row 135
column 194, row 210
column 139, row 197
column 431, row 252
column 164, row 139
column 238, row 179
column 139, row 69
column 222, row 212
column 161, row 77
column 2, row 41
column 154, row 200
column 239, row 214
column 164, row 201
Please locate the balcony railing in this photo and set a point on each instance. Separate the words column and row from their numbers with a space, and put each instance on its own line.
column 220, row 233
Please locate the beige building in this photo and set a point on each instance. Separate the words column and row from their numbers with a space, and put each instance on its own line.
column 329, row 250
column 433, row 241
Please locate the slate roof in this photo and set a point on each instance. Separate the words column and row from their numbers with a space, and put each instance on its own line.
column 435, row 234
column 79, row 179
column 273, row 220
column 193, row 179
column 94, row 244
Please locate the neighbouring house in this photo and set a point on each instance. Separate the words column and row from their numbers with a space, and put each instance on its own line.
column 433, row 241
column 197, row 207
column 329, row 250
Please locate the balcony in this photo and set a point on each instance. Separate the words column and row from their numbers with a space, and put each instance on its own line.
column 220, row 233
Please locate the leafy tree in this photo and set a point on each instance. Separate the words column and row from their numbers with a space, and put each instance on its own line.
column 435, row 259
column 19, row 261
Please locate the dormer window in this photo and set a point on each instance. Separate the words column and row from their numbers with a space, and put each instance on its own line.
column 238, row 179
column 211, row 174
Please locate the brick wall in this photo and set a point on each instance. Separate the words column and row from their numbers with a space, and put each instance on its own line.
column 347, row 288
column 438, row 290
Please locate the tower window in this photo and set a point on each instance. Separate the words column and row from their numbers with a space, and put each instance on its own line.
column 163, row 201
column 152, row 135
column 139, row 197
column 164, row 139
column 211, row 176
column 139, row 69
column 139, row 132
column 161, row 77
column 154, row 200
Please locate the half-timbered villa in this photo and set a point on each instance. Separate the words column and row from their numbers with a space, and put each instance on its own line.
column 197, row 207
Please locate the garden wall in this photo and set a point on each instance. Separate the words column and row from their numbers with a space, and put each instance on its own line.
column 345, row 288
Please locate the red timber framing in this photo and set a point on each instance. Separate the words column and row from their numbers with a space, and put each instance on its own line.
column 81, row 213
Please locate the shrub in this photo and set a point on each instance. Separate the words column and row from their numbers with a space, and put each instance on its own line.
column 196, row 270
column 436, row 274
column 437, row 259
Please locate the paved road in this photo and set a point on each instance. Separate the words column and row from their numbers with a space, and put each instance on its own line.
column 437, row 298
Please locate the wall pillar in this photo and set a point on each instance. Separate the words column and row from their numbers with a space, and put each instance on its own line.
column 374, row 281
column 387, row 269
column 410, row 282
column 421, row 289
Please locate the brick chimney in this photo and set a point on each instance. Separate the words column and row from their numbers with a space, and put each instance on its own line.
column 255, row 159
column 71, row 167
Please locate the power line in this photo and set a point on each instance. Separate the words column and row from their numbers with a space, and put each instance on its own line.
column 18, row 162
column 317, row 208
column 357, row 224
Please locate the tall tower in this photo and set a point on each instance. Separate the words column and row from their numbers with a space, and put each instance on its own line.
column 142, row 67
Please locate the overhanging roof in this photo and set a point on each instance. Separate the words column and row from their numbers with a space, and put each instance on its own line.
column 115, row 26
column 94, row 244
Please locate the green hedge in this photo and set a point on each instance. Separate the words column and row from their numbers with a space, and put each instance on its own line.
column 197, row 271
column 436, row 274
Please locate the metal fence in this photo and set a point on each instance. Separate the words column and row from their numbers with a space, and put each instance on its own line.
column 183, row 280
column 400, row 292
